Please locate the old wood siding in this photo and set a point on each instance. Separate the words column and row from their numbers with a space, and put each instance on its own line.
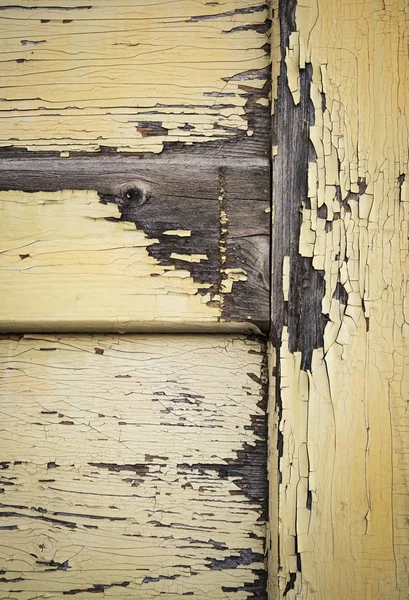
column 134, row 196
column 82, row 259
column 129, row 75
column 134, row 165
column 340, row 299
column 132, row 467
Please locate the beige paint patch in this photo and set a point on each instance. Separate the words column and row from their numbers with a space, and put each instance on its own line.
column 178, row 232
column 118, row 466
column 230, row 276
column 127, row 75
column 189, row 257
column 64, row 266
column 344, row 501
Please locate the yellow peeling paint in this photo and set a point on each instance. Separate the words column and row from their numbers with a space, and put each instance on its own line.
column 230, row 276
column 286, row 277
column 115, row 466
column 275, row 52
column 196, row 258
column 292, row 60
column 344, row 495
column 128, row 75
column 63, row 265
column 178, row 232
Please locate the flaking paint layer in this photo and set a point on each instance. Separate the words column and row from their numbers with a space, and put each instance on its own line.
column 128, row 75
column 344, row 470
column 130, row 467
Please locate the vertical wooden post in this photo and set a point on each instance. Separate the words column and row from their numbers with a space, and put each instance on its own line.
column 340, row 312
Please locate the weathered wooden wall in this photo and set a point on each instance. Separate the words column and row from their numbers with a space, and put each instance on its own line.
column 134, row 111
column 340, row 310
column 134, row 196
column 132, row 467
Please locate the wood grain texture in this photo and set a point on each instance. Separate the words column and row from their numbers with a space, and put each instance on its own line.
column 130, row 76
column 339, row 299
column 134, row 245
column 132, row 467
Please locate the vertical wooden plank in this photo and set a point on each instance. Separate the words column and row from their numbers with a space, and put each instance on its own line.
column 340, row 311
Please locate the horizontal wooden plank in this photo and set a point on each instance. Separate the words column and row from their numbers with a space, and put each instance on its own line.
column 132, row 466
column 125, row 244
column 132, row 76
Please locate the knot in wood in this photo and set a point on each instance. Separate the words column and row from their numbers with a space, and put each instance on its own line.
column 133, row 195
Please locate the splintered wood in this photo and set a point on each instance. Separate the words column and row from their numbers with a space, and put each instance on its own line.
column 134, row 467
column 129, row 75
column 344, row 386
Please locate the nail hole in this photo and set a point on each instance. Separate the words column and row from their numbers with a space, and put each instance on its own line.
column 135, row 195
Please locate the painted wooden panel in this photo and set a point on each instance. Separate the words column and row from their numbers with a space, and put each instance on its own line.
column 133, row 466
column 142, row 246
column 340, row 300
column 129, row 75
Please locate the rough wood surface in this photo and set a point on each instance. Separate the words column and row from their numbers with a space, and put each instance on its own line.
column 132, row 467
column 131, row 76
column 339, row 298
column 134, row 244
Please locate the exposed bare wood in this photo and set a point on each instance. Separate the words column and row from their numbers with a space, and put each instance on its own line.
column 133, row 466
column 340, row 312
column 134, row 245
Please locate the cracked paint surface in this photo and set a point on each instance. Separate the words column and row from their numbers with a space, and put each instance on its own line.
column 65, row 266
column 344, row 465
column 129, row 75
column 73, row 260
column 132, row 466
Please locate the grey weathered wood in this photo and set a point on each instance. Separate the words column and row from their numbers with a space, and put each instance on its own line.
column 290, row 130
column 179, row 192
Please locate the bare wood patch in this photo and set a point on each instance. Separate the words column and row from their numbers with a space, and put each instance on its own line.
column 147, row 244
